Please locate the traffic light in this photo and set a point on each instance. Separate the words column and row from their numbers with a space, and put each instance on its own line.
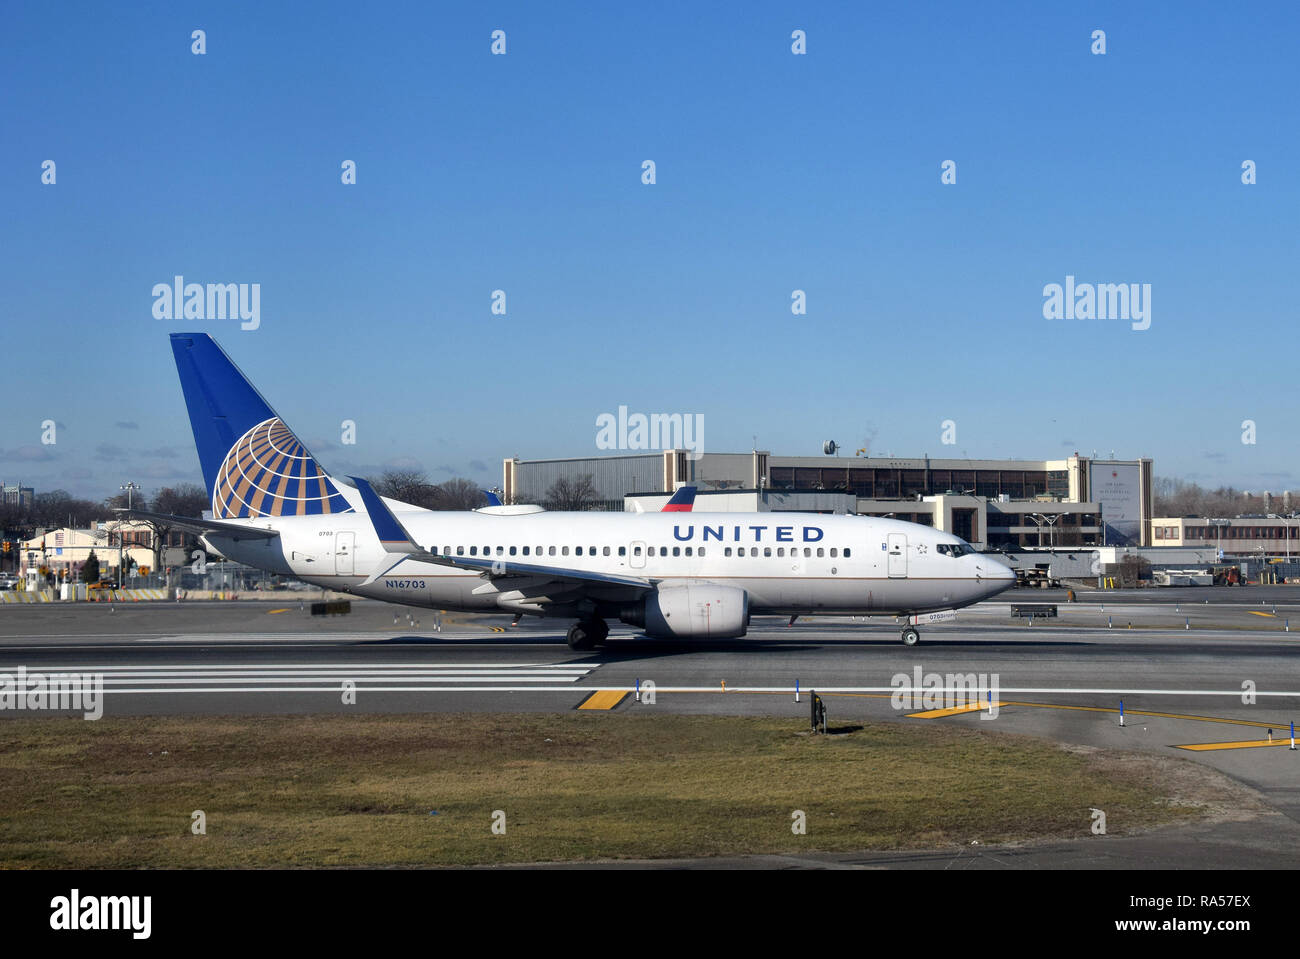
column 8, row 545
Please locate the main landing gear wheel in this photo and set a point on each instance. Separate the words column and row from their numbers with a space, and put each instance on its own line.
column 910, row 636
column 587, row 634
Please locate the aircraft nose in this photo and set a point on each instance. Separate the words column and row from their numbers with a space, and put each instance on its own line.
column 995, row 576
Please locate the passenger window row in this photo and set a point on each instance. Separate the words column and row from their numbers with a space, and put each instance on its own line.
column 530, row 551
column 636, row 551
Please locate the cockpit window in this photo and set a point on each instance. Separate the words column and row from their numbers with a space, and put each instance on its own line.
column 955, row 549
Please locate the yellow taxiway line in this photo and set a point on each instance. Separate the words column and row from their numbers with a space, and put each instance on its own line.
column 604, row 699
column 952, row 711
column 977, row 707
column 1248, row 744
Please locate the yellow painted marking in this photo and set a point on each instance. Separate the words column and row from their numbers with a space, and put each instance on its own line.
column 1085, row 709
column 604, row 699
column 497, row 629
column 1255, row 612
column 952, row 711
column 1248, row 744
column 270, row 611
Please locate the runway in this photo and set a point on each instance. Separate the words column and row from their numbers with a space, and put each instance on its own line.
column 1217, row 683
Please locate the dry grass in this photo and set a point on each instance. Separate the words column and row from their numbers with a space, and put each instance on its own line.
column 359, row 791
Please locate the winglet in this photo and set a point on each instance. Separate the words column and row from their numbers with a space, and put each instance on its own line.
column 492, row 498
column 392, row 534
column 681, row 502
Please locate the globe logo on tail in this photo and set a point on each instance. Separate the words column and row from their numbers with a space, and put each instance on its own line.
column 268, row 472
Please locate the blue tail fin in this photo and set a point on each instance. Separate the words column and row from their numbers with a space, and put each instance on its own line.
column 253, row 465
column 681, row 502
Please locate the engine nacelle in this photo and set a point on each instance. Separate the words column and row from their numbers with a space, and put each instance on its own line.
column 700, row 611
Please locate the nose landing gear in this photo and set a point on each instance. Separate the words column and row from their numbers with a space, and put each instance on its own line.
column 910, row 636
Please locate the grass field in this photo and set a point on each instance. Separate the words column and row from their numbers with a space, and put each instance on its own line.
column 421, row 790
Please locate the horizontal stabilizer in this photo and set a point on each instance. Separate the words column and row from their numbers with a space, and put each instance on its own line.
column 194, row 524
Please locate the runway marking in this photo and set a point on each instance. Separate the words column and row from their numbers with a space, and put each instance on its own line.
column 1043, row 690
column 289, row 677
column 935, row 714
column 272, row 611
column 604, row 699
column 203, row 667
column 1255, row 612
column 953, row 710
column 883, row 692
column 1248, row 744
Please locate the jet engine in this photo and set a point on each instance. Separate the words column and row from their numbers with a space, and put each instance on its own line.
column 697, row 611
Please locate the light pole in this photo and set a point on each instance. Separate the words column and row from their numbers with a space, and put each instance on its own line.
column 1040, row 519
column 129, row 488
column 1218, row 525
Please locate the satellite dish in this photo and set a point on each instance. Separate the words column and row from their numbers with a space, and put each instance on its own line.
column 829, row 447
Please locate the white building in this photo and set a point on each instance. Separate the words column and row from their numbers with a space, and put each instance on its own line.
column 64, row 551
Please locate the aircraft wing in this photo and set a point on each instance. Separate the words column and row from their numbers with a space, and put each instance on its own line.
column 399, row 547
column 194, row 524
column 504, row 566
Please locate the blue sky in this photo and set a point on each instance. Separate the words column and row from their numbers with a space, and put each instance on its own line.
column 775, row 172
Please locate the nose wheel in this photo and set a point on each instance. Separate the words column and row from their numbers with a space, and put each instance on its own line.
column 910, row 636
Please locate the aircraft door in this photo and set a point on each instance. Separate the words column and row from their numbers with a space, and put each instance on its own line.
column 897, row 555
column 636, row 555
column 344, row 546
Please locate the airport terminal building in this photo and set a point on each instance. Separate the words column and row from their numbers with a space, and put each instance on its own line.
column 1076, row 501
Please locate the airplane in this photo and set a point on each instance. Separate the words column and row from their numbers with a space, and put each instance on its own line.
column 675, row 577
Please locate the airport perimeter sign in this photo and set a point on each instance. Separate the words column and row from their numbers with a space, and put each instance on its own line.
column 1117, row 487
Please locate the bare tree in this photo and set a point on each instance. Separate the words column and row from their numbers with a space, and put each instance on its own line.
column 571, row 495
column 1175, row 497
column 119, row 500
column 459, row 494
column 184, row 499
column 408, row 485
column 1133, row 568
column 57, row 508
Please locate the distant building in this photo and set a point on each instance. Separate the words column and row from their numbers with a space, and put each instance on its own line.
column 64, row 550
column 1076, row 501
column 1244, row 536
column 21, row 496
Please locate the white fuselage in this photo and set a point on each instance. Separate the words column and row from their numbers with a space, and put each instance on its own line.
column 788, row 563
